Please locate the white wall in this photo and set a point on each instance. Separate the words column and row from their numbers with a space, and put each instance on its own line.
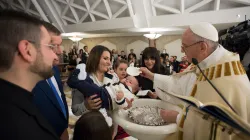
column 109, row 45
column 80, row 46
column 174, row 48
column 138, row 47
column 62, row 47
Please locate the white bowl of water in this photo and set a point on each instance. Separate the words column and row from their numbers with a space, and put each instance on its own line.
column 143, row 132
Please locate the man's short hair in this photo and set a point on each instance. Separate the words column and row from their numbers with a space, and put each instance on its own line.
column 51, row 28
column 85, row 47
column 16, row 26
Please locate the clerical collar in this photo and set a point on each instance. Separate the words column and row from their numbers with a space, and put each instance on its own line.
column 212, row 58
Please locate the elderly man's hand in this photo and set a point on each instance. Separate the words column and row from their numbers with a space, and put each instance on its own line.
column 146, row 73
column 152, row 95
column 169, row 116
column 92, row 103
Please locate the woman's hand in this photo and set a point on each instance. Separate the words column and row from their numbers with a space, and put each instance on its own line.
column 92, row 103
column 152, row 95
column 146, row 73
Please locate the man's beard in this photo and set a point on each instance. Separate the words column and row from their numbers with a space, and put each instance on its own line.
column 40, row 68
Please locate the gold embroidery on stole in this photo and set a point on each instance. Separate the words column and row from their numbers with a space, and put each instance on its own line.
column 240, row 67
column 218, row 71
column 212, row 73
column 235, row 68
column 206, row 73
column 227, row 70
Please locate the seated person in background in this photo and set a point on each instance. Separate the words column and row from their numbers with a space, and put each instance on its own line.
column 132, row 61
column 117, row 92
column 72, row 63
column 94, row 125
column 169, row 68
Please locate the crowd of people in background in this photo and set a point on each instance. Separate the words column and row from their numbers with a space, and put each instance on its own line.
column 168, row 63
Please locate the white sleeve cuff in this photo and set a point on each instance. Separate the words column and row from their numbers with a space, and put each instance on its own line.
column 178, row 119
column 119, row 101
column 123, row 105
column 82, row 75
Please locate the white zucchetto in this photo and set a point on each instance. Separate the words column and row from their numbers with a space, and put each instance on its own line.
column 205, row 30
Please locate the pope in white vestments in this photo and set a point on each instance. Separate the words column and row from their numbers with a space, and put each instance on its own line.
column 224, row 70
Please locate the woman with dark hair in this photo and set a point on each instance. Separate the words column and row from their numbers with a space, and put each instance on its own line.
column 102, row 56
column 150, row 60
column 81, row 51
column 163, row 59
column 132, row 61
column 80, row 55
column 87, row 82
column 94, row 78
column 97, row 66
column 93, row 125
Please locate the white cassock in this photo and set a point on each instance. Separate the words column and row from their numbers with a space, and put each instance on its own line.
column 225, row 71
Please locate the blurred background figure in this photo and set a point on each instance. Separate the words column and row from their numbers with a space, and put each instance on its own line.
column 131, row 53
column 123, row 55
column 85, row 54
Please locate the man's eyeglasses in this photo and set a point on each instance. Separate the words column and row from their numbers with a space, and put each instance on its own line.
column 51, row 46
column 182, row 46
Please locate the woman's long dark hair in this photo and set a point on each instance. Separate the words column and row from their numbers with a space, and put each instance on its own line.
column 94, row 58
column 152, row 53
column 92, row 126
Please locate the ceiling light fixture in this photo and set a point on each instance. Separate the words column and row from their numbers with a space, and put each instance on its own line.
column 152, row 36
column 75, row 38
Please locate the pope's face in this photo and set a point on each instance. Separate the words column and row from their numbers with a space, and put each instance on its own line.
column 189, row 46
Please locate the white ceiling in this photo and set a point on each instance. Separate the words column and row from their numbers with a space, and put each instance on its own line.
column 102, row 18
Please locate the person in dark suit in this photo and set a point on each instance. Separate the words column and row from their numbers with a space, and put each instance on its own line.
column 26, row 58
column 48, row 94
column 49, row 105
column 123, row 55
column 85, row 55
column 176, row 64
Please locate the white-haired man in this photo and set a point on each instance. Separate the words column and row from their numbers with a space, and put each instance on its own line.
column 222, row 67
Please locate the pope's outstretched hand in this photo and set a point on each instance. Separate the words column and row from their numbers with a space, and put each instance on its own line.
column 146, row 73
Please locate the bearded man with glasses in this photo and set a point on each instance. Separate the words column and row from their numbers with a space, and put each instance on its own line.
column 26, row 58
column 224, row 70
